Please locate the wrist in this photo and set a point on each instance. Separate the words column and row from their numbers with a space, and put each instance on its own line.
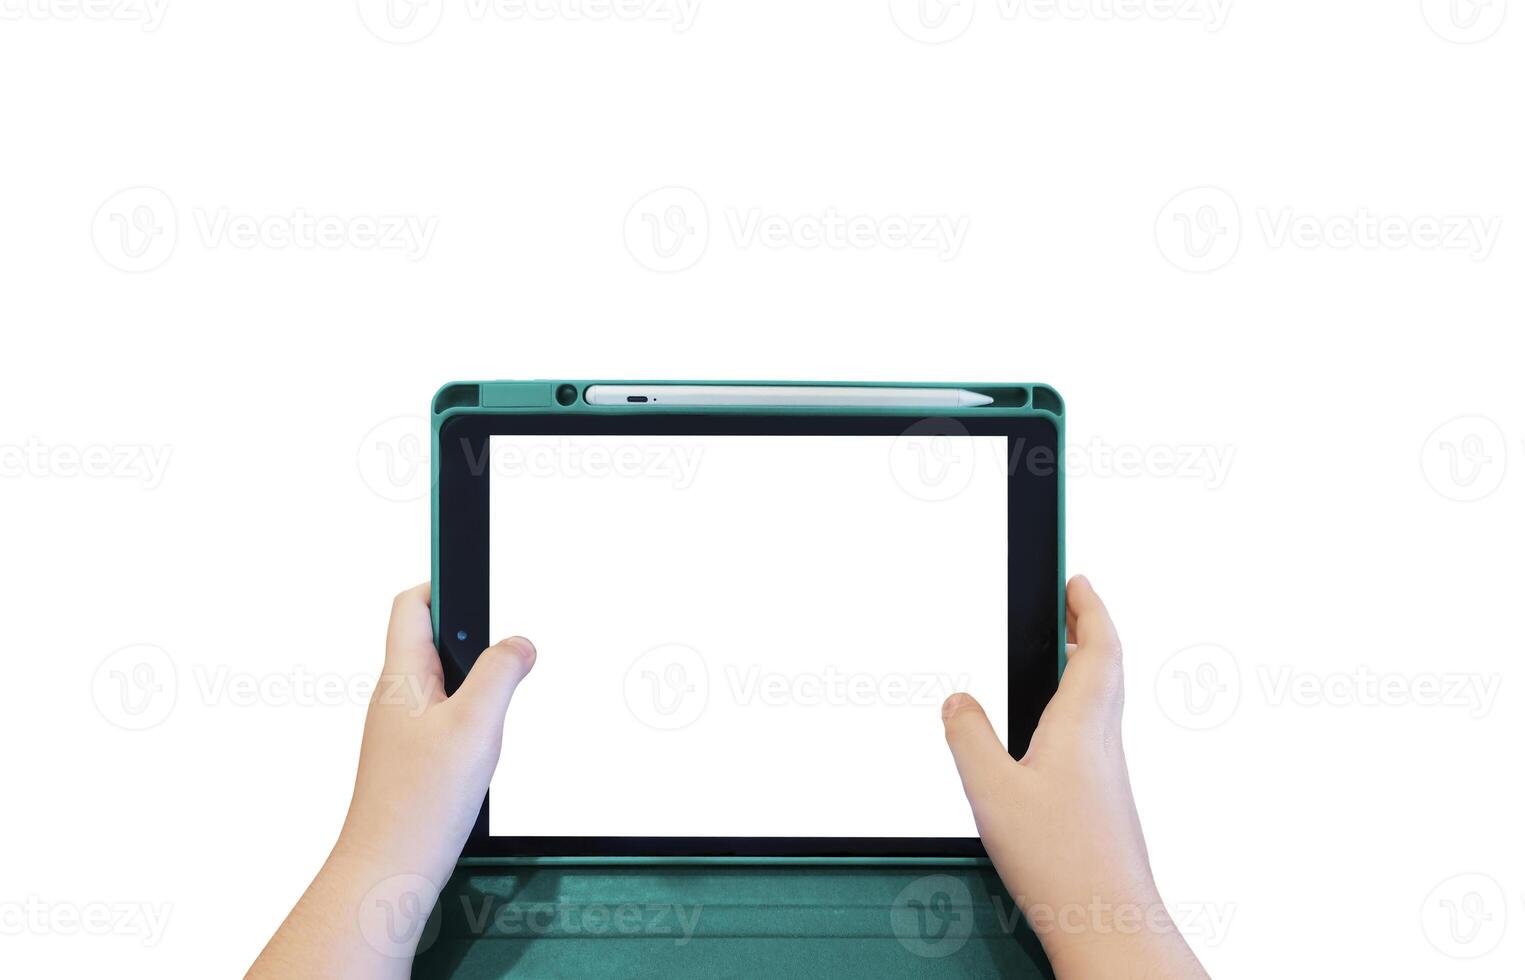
column 379, row 849
column 1117, row 938
column 380, row 896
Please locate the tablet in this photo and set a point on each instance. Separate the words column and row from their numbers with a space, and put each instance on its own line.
column 749, row 606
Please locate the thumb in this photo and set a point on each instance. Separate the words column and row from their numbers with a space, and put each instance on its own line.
column 983, row 762
column 489, row 686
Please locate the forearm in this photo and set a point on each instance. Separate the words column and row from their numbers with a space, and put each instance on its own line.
column 348, row 923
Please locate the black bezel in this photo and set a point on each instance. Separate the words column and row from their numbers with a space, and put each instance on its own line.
column 1033, row 601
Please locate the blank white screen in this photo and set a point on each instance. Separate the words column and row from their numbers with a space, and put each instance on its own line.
column 742, row 636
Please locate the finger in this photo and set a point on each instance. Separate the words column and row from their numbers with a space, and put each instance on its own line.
column 1093, row 673
column 410, row 638
column 1087, row 618
column 489, row 687
column 983, row 762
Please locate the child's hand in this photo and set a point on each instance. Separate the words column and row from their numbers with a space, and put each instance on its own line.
column 426, row 760
column 1060, row 825
column 425, row 763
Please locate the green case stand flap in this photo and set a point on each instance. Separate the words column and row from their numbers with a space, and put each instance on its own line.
column 614, row 922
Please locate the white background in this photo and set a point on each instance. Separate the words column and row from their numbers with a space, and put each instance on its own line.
column 776, row 626
column 276, row 538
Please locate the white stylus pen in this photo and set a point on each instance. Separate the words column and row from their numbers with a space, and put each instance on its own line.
column 782, row 395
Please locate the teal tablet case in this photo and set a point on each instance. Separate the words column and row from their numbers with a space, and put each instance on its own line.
column 622, row 917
